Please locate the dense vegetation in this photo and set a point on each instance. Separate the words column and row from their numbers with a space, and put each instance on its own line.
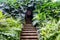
column 46, row 16
column 9, row 28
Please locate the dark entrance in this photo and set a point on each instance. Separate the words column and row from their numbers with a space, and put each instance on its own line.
column 29, row 16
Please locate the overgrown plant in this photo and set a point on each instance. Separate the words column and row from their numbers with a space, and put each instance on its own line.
column 48, row 18
column 9, row 28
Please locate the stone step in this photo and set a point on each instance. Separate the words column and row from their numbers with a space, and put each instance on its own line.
column 29, row 31
column 29, row 34
column 28, row 25
column 29, row 37
column 29, row 28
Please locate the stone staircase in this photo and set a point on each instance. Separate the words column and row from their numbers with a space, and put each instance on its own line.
column 29, row 32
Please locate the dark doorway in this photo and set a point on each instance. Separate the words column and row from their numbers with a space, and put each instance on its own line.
column 28, row 16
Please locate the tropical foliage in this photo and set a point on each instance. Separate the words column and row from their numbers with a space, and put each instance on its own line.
column 46, row 16
column 9, row 28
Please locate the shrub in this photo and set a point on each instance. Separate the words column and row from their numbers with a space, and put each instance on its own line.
column 9, row 28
